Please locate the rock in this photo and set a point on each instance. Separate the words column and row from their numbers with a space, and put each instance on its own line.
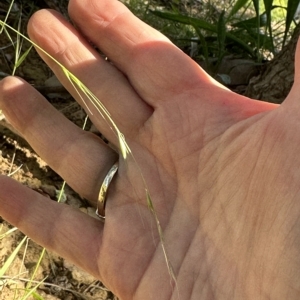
column 52, row 82
column 73, row 201
column 49, row 189
column 239, row 70
column 232, row 71
column 83, row 209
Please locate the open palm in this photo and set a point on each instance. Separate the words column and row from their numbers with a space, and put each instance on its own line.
column 223, row 170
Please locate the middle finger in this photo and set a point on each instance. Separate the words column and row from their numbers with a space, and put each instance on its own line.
column 56, row 36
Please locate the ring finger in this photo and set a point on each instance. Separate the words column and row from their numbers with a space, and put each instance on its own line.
column 58, row 141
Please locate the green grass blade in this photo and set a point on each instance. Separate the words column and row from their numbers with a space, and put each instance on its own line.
column 18, row 46
column 221, row 31
column 9, row 37
column 61, row 194
column 236, row 7
column 256, row 7
column 258, row 20
column 268, row 7
column 28, row 285
column 255, row 22
column 23, row 57
column 7, row 14
column 37, row 296
column 32, row 291
column 292, row 6
column 221, row 37
column 185, row 20
column 11, row 258
column 202, row 24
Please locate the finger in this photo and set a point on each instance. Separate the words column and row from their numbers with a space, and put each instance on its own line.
column 156, row 68
column 57, row 227
column 56, row 36
column 81, row 158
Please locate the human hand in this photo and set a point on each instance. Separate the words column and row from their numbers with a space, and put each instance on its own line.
column 223, row 170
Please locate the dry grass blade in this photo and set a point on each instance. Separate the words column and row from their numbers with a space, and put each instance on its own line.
column 7, row 233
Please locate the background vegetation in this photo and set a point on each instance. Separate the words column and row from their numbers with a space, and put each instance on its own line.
column 213, row 29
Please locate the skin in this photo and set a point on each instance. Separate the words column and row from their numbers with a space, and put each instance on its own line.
column 223, row 170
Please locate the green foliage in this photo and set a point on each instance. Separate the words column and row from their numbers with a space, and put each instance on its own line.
column 200, row 25
column 248, row 28
column 221, row 29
